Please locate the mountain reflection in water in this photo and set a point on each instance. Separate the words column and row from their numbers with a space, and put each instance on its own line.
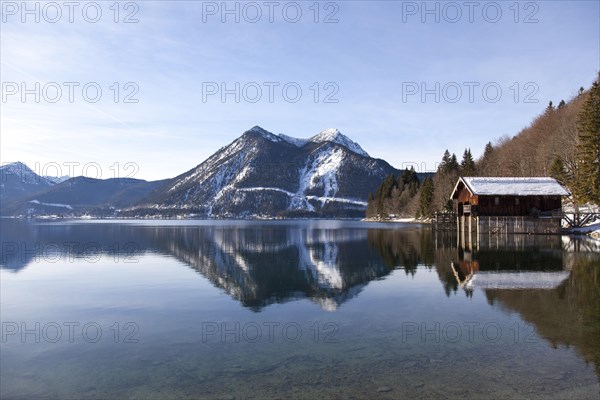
column 551, row 282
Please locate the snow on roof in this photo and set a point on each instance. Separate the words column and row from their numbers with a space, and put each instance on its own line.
column 513, row 186
column 518, row 280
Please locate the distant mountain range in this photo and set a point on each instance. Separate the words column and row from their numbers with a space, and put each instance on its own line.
column 260, row 174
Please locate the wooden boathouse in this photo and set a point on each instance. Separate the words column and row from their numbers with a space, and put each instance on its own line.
column 508, row 205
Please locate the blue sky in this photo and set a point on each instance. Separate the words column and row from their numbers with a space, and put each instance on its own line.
column 368, row 61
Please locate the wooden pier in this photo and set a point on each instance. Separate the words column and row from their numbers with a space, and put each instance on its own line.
column 444, row 221
column 579, row 219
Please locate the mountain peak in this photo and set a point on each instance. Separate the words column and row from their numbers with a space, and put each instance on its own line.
column 15, row 165
column 18, row 168
column 258, row 129
column 330, row 132
column 295, row 141
column 261, row 174
column 21, row 172
column 332, row 135
column 264, row 133
column 335, row 136
column 28, row 175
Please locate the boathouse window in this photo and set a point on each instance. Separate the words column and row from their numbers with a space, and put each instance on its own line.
column 497, row 201
column 516, row 201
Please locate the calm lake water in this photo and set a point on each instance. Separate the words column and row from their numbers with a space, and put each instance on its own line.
column 295, row 309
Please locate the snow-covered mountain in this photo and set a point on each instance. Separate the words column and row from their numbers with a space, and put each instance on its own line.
column 328, row 135
column 57, row 179
column 258, row 175
column 18, row 180
column 334, row 136
column 23, row 192
column 262, row 174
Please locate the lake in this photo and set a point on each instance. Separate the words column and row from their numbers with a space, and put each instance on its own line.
column 294, row 309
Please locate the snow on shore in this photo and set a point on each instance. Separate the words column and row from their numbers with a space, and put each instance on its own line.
column 592, row 230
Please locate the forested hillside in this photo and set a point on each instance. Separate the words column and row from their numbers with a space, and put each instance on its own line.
column 562, row 142
column 395, row 195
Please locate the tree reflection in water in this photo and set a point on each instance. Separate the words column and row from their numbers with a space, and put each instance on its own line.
column 262, row 264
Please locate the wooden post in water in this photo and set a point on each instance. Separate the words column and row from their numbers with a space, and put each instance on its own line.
column 477, row 227
column 470, row 231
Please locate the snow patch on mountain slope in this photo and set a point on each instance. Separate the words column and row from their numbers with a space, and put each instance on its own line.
column 216, row 159
column 24, row 174
column 295, row 141
column 335, row 136
column 55, row 180
column 323, row 172
column 244, row 173
column 266, row 134
column 325, row 200
column 51, row 204
column 228, row 176
column 328, row 135
column 268, row 189
column 302, row 202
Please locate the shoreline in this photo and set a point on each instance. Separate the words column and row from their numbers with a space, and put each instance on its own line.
column 415, row 221
column 591, row 231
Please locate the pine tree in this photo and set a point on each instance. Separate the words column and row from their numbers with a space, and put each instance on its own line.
column 587, row 186
column 413, row 187
column 378, row 208
column 411, row 176
column 487, row 152
column 383, row 194
column 444, row 165
column 371, row 206
column 426, row 198
column 557, row 170
column 485, row 165
column 407, row 177
column 395, row 195
column 388, row 184
column 561, row 104
column 467, row 165
column 453, row 166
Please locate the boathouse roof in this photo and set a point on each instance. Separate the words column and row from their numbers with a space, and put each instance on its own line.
column 501, row 186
